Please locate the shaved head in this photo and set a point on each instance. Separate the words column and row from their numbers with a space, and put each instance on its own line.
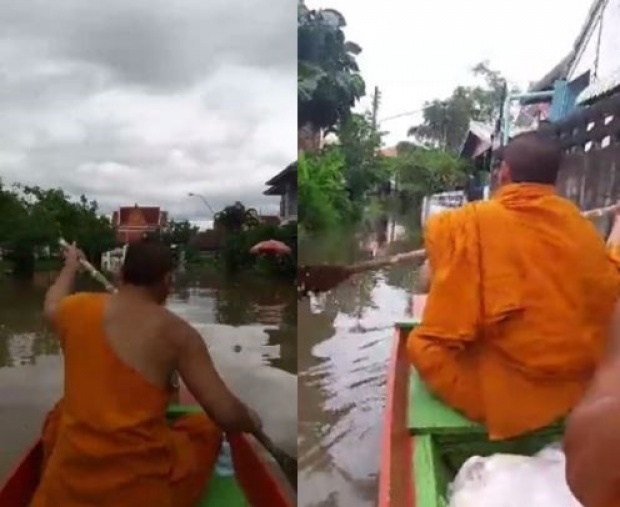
column 532, row 158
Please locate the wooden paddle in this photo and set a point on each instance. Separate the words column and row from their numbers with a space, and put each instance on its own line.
column 287, row 463
column 92, row 271
column 324, row 278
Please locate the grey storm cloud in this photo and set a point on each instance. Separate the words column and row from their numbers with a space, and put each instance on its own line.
column 147, row 100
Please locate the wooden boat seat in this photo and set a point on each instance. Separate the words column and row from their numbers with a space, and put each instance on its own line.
column 426, row 414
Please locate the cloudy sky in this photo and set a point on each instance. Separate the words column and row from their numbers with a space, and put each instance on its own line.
column 417, row 50
column 146, row 100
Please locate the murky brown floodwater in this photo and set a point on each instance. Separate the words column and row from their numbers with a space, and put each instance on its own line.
column 343, row 354
column 250, row 328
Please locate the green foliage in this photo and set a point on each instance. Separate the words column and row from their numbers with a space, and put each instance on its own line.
column 365, row 168
column 32, row 218
column 424, row 171
column 329, row 83
column 236, row 218
column 178, row 232
column 236, row 255
column 323, row 200
column 446, row 121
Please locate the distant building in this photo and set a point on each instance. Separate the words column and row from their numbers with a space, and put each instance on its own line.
column 207, row 241
column 284, row 184
column 132, row 223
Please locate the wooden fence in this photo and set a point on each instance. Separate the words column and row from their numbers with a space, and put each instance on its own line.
column 590, row 138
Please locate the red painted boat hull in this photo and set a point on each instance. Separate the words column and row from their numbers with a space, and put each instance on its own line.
column 396, row 483
column 252, row 471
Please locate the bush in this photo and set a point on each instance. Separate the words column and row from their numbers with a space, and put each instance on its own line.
column 323, row 199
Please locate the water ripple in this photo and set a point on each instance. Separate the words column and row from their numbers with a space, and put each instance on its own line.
column 342, row 393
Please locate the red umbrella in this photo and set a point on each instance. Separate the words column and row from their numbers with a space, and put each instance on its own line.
column 271, row 246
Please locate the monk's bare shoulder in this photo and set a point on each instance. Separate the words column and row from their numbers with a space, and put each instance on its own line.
column 176, row 329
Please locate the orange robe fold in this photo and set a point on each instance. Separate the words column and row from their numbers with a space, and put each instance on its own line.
column 107, row 442
column 516, row 317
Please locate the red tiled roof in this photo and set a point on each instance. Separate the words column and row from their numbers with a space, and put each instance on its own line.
column 150, row 214
column 390, row 152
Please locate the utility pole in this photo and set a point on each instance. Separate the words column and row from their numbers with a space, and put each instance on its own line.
column 376, row 101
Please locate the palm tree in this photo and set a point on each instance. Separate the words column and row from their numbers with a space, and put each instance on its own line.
column 236, row 218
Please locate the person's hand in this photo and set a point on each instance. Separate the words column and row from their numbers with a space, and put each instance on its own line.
column 73, row 256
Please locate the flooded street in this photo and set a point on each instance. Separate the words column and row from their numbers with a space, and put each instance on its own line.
column 343, row 353
column 249, row 327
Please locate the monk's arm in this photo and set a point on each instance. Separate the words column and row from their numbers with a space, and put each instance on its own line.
column 203, row 381
column 592, row 440
column 61, row 288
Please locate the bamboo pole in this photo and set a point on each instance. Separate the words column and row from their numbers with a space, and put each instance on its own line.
column 92, row 270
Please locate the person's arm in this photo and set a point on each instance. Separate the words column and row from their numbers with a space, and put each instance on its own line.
column 592, row 436
column 60, row 289
column 425, row 276
column 63, row 286
column 205, row 384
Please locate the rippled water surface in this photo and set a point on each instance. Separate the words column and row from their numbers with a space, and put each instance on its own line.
column 249, row 327
column 343, row 353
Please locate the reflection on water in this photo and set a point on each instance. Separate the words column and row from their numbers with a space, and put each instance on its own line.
column 249, row 326
column 343, row 354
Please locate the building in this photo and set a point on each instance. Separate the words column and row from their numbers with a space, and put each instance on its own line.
column 284, row 184
column 591, row 69
column 208, row 241
column 132, row 223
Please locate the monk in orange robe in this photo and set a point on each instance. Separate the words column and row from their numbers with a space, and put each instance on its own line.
column 107, row 442
column 522, row 291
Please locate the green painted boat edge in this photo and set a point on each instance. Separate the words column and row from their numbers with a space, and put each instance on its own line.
column 436, row 449
column 220, row 491
column 429, row 480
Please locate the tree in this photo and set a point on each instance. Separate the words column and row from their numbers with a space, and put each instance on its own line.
column 178, row 232
column 236, row 218
column 323, row 199
column 329, row 82
column 424, row 171
column 32, row 220
column 446, row 121
column 364, row 167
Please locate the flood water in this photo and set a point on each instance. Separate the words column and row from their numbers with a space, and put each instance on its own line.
column 249, row 326
column 343, row 353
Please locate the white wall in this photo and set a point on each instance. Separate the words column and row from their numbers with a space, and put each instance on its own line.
column 609, row 56
column 609, row 61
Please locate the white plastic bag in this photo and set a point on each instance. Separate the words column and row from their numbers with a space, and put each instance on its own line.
column 505, row 480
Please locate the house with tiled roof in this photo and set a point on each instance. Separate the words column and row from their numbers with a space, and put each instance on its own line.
column 133, row 223
column 284, row 184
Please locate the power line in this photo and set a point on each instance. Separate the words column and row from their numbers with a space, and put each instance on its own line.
column 400, row 115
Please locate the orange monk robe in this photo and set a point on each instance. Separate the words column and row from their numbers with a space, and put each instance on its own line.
column 516, row 349
column 107, row 443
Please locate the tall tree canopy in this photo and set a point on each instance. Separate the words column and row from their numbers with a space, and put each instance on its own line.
column 329, row 82
column 33, row 219
column 178, row 232
column 236, row 218
column 446, row 122
column 424, row 171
